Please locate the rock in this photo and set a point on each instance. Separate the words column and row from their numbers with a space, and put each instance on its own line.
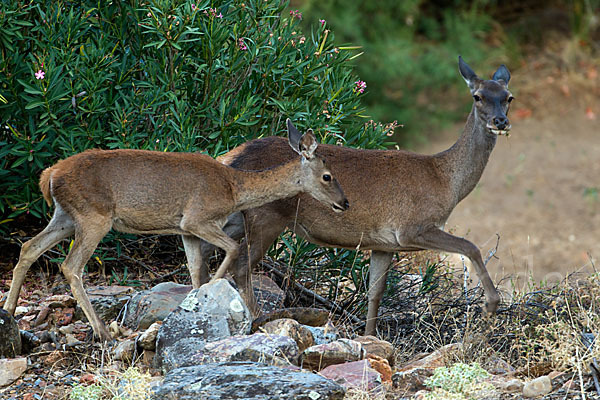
column 19, row 310
column 125, row 350
column 10, row 336
column 149, row 306
column 245, row 380
column 212, row 312
column 497, row 366
column 411, row 380
column 342, row 350
column 304, row 315
column 258, row 347
column 357, row 375
column 291, row 328
column 537, row 387
column 29, row 341
column 569, row 385
column 147, row 340
column 438, row 358
column 324, row 334
column 58, row 301
column 382, row 366
column 269, row 296
column 507, row 385
column 378, row 347
column 108, row 301
column 11, row 369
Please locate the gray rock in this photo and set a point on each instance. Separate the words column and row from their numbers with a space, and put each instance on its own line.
column 324, row 334
column 537, row 387
column 259, row 347
column 214, row 311
column 245, row 380
column 11, row 369
column 125, row 350
column 411, row 380
column 10, row 336
column 269, row 296
column 108, row 301
column 149, row 306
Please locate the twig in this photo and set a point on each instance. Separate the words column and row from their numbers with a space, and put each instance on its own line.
column 168, row 275
column 310, row 295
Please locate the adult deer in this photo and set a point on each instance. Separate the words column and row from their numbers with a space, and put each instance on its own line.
column 144, row 192
column 400, row 200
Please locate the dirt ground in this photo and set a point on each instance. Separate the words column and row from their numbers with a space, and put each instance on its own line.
column 541, row 189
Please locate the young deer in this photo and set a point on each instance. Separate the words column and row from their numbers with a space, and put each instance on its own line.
column 144, row 192
column 400, row 200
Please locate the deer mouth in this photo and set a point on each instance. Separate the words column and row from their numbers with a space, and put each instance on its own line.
column 498, row 132
column 340, row 208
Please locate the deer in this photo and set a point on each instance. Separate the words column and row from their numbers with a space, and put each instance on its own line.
column 153, row 192
column 400, row 200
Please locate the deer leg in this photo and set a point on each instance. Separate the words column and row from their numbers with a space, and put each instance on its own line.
column 192, row 246
column 84, row 244
column 262, row 230
column 380, row 264
column 60, row 227
column 436, row 239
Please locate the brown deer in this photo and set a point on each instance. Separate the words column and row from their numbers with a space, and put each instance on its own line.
column 400, row 200
column 139, row 191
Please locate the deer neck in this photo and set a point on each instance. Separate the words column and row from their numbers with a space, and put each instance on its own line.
column 255, row 188
column 467, row 158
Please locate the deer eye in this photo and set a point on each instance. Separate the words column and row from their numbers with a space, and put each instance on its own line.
column 327, row 177
column 476, row 97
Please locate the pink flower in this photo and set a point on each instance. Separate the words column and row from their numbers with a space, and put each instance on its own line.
column 322, row 21
column 296, row 14
column 40, row 74
column 241, row 45
column 193, row 7
column 360, row 86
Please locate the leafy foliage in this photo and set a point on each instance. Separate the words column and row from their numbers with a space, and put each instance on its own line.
column 167, row 75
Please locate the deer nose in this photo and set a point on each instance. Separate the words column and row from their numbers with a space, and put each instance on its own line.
column 501, row 122
column 346, row 204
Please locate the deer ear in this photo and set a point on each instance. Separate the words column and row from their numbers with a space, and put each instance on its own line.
column 308, row 144
column 294, row 136
column 502, row 75
column 467, row 73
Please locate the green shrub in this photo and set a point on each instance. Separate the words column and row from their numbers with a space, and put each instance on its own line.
column 167, row 75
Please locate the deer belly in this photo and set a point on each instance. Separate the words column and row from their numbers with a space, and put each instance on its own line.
column 147, row 224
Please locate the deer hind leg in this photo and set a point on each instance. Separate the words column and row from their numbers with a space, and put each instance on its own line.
column 87, row 236
column 436, row 239
column 378, row 271
column 60, row 227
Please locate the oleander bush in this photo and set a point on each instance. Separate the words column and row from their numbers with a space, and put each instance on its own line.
column 169, row 75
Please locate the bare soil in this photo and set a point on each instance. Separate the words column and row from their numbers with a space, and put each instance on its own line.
column 541, row 189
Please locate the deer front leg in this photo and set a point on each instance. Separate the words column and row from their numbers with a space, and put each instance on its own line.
column 380, row 264
column 436, row 239
column 60, row 227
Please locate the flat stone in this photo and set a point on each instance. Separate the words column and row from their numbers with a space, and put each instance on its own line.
column 108, row 301
column 124, row 350
column 11, row 369
column 436, row 359
column 342, row 350
column 258, row 347
column 10, row 336
column 356, row 375
column 324, row 334
column 304, row 315
column 245, row 380
column 291, row 328
column 149, row 306
column 537, row 387
column 411, row 380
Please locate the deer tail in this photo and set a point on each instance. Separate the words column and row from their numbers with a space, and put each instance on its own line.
column 45, row 185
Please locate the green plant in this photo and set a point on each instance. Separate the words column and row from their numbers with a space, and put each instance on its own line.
column 168, row 75
column 83, row 392
column 459, row 381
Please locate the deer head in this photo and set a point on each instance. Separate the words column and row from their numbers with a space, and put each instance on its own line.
column 319, row 182
column 491, row 98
